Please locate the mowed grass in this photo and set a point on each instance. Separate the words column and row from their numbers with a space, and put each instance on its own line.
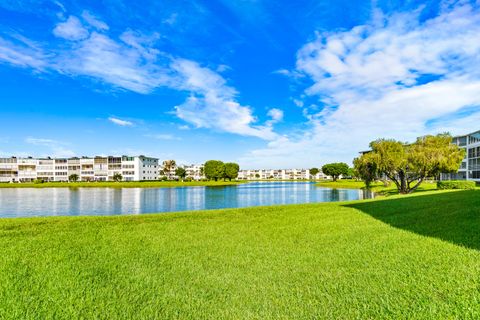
column 121, row 184
column 409, row 257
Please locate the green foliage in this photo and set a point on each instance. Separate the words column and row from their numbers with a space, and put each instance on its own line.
column 214, row 169
column 117, row 177
column 407, row 165
column 366, row 168
column 73, row 177
column 335, row 170
column 180, row 172
column 334, row 261
column 231, row 170
column 314, row 171
column 38, row 181
column 456, row 184
column 168, row 166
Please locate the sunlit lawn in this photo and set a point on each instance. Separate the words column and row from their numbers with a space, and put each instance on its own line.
column 408, row 257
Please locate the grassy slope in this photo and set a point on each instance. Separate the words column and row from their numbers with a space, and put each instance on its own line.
column 124, row 184
column 413, row 257
column 375, row 187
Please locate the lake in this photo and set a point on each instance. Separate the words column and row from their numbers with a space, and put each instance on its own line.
column 30, row 202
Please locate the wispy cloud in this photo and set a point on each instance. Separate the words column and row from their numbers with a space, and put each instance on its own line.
column 72, row 29
column 133, row 63
column 55, row 148
column 21, row 52
column 94, row 21
column 213, row 104
column 163, row 136
column 120, row 122
column 389, row 78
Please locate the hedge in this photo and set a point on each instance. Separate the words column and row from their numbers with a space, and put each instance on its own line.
column 456, row 184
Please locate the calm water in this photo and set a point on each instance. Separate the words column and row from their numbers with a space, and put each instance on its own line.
column 109, row 201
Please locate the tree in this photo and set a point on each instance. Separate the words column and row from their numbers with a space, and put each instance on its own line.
column 365, row 168
column 117, row 177
column 73, row 177
column 231, row 170
column 168, row 166
column 407, row 165
column 335, row 169
column 214, row 169
column 351, row 173
column 181, row 173
column 314, row 172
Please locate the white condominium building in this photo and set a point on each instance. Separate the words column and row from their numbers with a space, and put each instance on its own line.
column 470, row 167
column 279, row 174
column 138, row 168
column 194, row 171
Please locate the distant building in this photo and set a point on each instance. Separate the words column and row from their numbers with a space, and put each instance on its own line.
column 470, row 167
column 194, row 171
column 279, row 174
column 138, row 168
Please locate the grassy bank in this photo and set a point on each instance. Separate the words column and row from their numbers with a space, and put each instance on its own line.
column 378, row 187
column 414, row 257
column 122, row 184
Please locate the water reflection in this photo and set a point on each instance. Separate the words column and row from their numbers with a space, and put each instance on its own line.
column 110, row 201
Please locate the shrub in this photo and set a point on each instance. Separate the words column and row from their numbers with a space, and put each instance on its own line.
column 36, row 181
column 456, row 184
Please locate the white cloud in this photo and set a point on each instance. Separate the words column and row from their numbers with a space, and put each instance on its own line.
column 213, row 104
column 55, row 148
column 163, row 136
column 72, row 29
column 389, row 79
column 120, row 122
column 275, row 114
column 133, row 63
column 94, row 21
column 22, row 52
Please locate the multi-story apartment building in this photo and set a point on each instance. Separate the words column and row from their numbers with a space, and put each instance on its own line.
column 279, row 174
column 98, row 168
column 194, row 171
column 470, row 167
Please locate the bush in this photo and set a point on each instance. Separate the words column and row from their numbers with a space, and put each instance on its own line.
column 36, row 181
column 456, row 184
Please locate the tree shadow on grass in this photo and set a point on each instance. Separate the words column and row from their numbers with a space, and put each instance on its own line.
column 450, row 216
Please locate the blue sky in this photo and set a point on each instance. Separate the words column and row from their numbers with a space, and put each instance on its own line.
column 266, row 83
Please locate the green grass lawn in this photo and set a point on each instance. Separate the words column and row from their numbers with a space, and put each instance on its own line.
column 378, row 187
column 402, row 257
column 121, row 184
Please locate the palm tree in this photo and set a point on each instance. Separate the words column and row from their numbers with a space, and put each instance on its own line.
column 117, row 177
column 168, row 166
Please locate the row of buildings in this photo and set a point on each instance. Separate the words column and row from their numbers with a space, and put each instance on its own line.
column 137, row 168
column 279, row 174
column 141, row 168
column 87, row 169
